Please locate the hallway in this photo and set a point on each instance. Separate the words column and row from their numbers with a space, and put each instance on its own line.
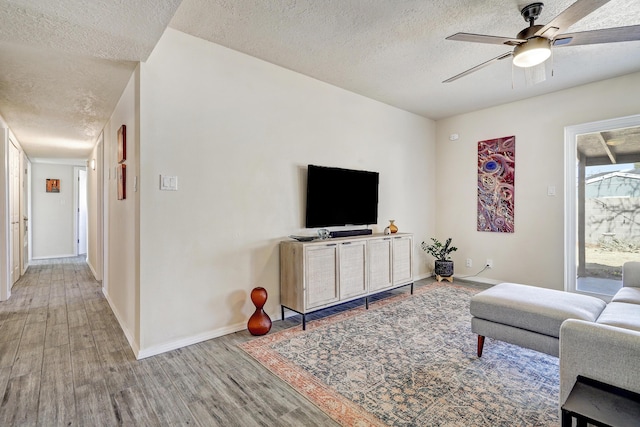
column 65, row 361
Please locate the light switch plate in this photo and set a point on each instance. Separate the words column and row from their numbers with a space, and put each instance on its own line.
column 168, row 183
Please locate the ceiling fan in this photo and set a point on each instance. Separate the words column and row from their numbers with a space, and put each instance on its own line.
column 532, row 46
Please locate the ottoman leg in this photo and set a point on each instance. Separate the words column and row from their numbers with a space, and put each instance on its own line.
column 480, row 345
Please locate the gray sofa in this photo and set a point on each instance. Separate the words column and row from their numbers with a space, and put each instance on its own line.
column 607, row 350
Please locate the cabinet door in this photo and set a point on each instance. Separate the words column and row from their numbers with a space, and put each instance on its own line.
column 380, row 264
column 352, row 269
column 321, row 275
column 402, row 253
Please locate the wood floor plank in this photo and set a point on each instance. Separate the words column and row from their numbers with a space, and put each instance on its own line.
column 28, row 359
column 133, row 407
column 189, row 384
column 300, row 417
column 37, row 315
column 12, row 329
column 5, row 373
column 34, row 333
column 56, row 335
column 57, row 404
column 20, row 401
column 8, row 350
column 80, row 337
column 57, row 314
column 86, row 366
column 77, row 317
column 95, row 406
column 162, row 394
column 212, row 412
column 118, row 371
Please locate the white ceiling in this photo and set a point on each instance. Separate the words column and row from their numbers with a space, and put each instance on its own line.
column 65, row 62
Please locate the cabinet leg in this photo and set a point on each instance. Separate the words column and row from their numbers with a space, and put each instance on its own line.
column 366, row 302
column 282, row 312
column 411, row 288
column 304, row 322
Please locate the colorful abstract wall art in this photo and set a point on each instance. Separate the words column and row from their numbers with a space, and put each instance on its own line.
column 496, row 173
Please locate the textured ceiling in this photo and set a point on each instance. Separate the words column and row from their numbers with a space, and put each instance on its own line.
column 395, row 51
column 65, row 62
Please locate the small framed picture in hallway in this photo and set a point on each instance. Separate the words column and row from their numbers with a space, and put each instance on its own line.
column 122, row 144
column 53, row 185
column 121, row 173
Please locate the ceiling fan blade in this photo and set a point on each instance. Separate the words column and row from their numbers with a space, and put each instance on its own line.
column 606, row 35
column 570, row 16
column 478, row 67
column 481, row 38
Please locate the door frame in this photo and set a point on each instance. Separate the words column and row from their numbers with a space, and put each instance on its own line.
column 5, row 219
column 76, row 207
column 571, row 177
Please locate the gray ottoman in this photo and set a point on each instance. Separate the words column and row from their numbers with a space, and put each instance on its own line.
column 528, row 316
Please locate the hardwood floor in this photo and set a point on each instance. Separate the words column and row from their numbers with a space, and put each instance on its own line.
column 65, row 361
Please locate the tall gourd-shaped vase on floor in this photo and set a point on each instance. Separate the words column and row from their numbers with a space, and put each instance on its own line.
column 259, row 322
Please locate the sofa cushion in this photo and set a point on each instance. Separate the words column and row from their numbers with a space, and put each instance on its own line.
column 535, row 309
column 622, row 315
column 629, row 295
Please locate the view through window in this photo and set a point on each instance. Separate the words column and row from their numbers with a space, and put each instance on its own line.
column 611, row 225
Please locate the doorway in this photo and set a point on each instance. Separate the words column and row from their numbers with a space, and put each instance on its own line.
column 81, row 211
column 14, row 212
column 602, row 209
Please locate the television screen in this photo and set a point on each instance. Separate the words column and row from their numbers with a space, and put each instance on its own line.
column 341, row 197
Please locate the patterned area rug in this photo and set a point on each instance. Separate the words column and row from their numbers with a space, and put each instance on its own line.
column 411, row 360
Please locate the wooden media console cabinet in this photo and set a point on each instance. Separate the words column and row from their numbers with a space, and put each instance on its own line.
column 323, row 273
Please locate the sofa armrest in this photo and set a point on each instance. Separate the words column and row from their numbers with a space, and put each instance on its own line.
column 631, row 274
column 601, row 352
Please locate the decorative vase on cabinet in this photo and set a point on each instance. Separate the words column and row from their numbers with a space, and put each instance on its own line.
column 392, row 227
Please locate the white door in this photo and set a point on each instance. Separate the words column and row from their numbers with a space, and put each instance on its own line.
column 14, row 210
column 26, row 200
column 82, row 212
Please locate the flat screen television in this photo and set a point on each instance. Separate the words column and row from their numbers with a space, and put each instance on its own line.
column 341, row 197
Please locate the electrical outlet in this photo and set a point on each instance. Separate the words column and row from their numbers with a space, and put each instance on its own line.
column 469, row 262
column 489, row 263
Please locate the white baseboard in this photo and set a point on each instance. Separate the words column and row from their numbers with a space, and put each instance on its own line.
column 481, row 280
column 54, row 256
column 130, row 338
column 422, row 276
column 183, row 342
column 171, row 345
column 93, row 271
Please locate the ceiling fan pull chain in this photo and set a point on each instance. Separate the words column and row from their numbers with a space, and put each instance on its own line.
column 552, row 63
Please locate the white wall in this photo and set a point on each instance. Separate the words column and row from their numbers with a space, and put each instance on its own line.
column 121, row 276
column 238, row 133
column 94, row 209
column 534, row 254
column 52, row 215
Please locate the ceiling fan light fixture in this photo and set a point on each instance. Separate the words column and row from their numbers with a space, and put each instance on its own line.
column 533, row 52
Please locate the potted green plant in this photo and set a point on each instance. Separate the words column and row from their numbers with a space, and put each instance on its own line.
column 443, row 263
